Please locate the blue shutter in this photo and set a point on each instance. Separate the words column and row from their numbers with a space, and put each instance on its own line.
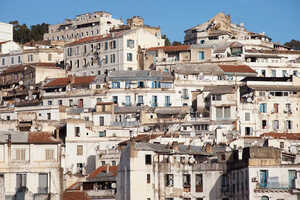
column 261, row 108
column 153, row 84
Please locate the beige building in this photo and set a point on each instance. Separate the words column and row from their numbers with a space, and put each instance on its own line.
column 84, row 25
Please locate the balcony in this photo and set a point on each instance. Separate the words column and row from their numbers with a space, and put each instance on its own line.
column 274, row 187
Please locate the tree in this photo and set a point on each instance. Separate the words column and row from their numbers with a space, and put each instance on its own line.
column 294, row 44
column 167, row 41
column 23, row 34
column 176, row 43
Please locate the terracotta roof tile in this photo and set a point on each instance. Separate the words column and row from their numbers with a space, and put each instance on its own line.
column 237, row 68
column 83, row 80
column 75, row 195
column 102, row 169
column 287, row 136
column 59, row 82
column 42, row 138
column 171, row 48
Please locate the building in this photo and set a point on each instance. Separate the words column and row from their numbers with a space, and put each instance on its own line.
column 156, row 171
column 261, row 173
column 30, row 166
column 84, row 25
column 111, row 52
column 6, row 32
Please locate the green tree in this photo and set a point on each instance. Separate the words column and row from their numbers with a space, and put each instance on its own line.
column 23, row 34
column 167, row 41
column 294, row 44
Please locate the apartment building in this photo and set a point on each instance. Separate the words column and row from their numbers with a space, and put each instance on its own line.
column 84, row 25
column 172, row 171
column 30, row 166
column 112, row 52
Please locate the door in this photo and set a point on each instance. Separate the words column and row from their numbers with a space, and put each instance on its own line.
column 263, row 178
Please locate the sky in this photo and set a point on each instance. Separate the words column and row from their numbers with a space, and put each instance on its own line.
column 279, row 19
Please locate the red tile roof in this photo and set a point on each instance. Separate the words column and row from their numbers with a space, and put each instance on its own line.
column 59, row 82
column 80, row 80
column 237, row 68
column 171, row 48
column 75, row 195
column 42, row 138
column 287, row 136
column 83, row 80
column 102, row 169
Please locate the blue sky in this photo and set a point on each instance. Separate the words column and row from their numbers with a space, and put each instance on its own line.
column 280, row 19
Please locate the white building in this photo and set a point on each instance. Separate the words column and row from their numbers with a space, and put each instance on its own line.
column 6, row 32
column 113, row 52
column 30, row 166
column 84, row 25
column 156, row 171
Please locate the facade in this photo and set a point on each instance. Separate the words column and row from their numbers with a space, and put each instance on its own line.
column 30, row 166
column 174, row 171
column 84, row 25
column 113, row 52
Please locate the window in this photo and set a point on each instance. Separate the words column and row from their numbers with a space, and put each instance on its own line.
column 263, row 124
column 275, row 107
column 148, row 159
column 247, row 116
column 263, row 107
column 263, row 178
column 186, row 180
column 201, row 55
column 216, row 97
column 115, row 99
column 148, row 178
column 129, row 56
column 105, row 59
column 49, row 116
column 77, row 131
column 155, row 84
column 127, row 84
column 295, row 73
column 263, row 73
column 169, row 180
column 141, row 84
column 292, row 178
column 21, row 181
column 60, row 102
column 185, row 94
column 43, row 183
column 113, row 163
column 112, row 58
column 275, row 124
column 154, row 101
column 12, row 60
column 49, row 103
column 130, row 44
column 282, row 145
column 288, row 124
column 248, row 130
column 113, row 44
column 262, row 94
column 167, row 101
column 288, row 108
column 79, row 150
column 264, row 198
column 127, row 101
column 102, row 133
column 140, row 100
column 105, row 45
column 199, row 183
column 284, row 73
column 273, row 72
column 3, row 61
column 20, row 154
column 115, row 84
column 223, row 113
column 101, row 121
